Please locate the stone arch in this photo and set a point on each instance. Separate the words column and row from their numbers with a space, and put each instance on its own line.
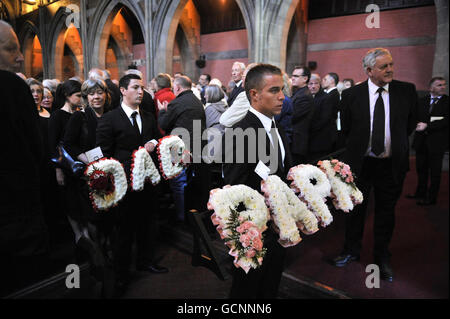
column 102, row 29
column 30, row 44
column 7, row 12
column 62, row 35
column 165, row 27
column 278, row 20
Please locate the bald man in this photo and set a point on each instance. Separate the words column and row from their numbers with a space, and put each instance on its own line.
column 23, row 233
column 11, row 59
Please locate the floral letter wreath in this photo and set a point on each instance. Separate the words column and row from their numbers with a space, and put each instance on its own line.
column 343, row 189
column 107, row 183
column 142, row 169
column 288, row 211
column 313, row 195
column 242, row 230
column 169, row 169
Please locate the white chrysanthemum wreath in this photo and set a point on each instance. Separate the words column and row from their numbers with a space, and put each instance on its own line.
column 107, row 183
column 344, row 192
column 313, row 194
column 241, row 229
column 288, row 212
column 168, row 167
column 143, row 169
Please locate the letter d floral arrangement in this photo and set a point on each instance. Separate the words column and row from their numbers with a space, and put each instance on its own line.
column 240, row 228
column 107, row 183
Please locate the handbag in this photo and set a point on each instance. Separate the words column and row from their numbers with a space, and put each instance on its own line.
column 66, row 162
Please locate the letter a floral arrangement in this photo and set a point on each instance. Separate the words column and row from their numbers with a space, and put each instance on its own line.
column 241, row 214
column 107, row 180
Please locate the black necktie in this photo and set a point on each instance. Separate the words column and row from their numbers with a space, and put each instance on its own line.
column 135, row 124
column 434, row 100
column 273, row 133
column 378, row 125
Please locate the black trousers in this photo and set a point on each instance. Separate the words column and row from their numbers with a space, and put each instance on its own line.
column 261, row 283
column 428, row 166
column 376, row 174
column 136, row 217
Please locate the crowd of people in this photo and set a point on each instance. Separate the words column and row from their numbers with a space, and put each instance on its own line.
column 313, row 116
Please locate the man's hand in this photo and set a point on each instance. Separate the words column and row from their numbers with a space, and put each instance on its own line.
column 163, row 105
column 150, row 147
column 421, row 126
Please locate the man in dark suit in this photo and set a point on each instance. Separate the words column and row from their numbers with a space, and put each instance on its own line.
column 236, row 75
column 378, row 116
column 186, row 111
column 329, row 84
column 302, row 102
column 431, row 141
column 263, row 85
column 314, row 86
column 23, row 233
column 119, row 133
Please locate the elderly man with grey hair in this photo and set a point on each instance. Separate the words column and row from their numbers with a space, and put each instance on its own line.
column 378, row 116
column 237, row 72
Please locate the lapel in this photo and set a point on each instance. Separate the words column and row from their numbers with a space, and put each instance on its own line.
column 394, row 103
column 129, row 125
column 256, row 123
column 365, row 103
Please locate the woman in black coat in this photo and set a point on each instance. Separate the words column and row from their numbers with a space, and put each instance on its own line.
column 79, row 138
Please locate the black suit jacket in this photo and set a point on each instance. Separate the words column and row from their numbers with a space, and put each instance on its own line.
column 244, row 173
column 22, row 228
column 236, row 91
column 322, row 131
column 435, row 137
column 355, row 107
column 118, row 139
column 114, row 91
column 181, row 113
column 302, row 102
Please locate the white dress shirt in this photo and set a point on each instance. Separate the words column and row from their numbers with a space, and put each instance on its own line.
column 129, row 111
column 373, row 96
column 267, row 123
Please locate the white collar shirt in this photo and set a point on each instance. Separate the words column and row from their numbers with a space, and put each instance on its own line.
column 373, row 96
column 129, row 111
column 267, row 123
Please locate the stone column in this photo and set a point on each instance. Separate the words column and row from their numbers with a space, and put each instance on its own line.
column 84, row 39
column 440, row 65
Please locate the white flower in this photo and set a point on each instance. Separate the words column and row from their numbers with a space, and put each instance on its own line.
column 114, row 167
column 168, row 169
column 314, row 195
column 346, row 195
column 287, row 210
column 143, row 168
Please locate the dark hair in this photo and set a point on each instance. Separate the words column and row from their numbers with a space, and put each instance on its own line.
column 163, row 81
column 65, row 89
column 306, row 71
column 184, row 82
column 352, row 83
column 255, row 77
column 436, row 78
column 335, row 77
column 126, row 79
column 208, row 77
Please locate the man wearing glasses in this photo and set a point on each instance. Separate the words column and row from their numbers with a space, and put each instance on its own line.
column 302, row 101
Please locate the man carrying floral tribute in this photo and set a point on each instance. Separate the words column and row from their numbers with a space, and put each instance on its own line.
column 119, row 133
column 263, row 85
